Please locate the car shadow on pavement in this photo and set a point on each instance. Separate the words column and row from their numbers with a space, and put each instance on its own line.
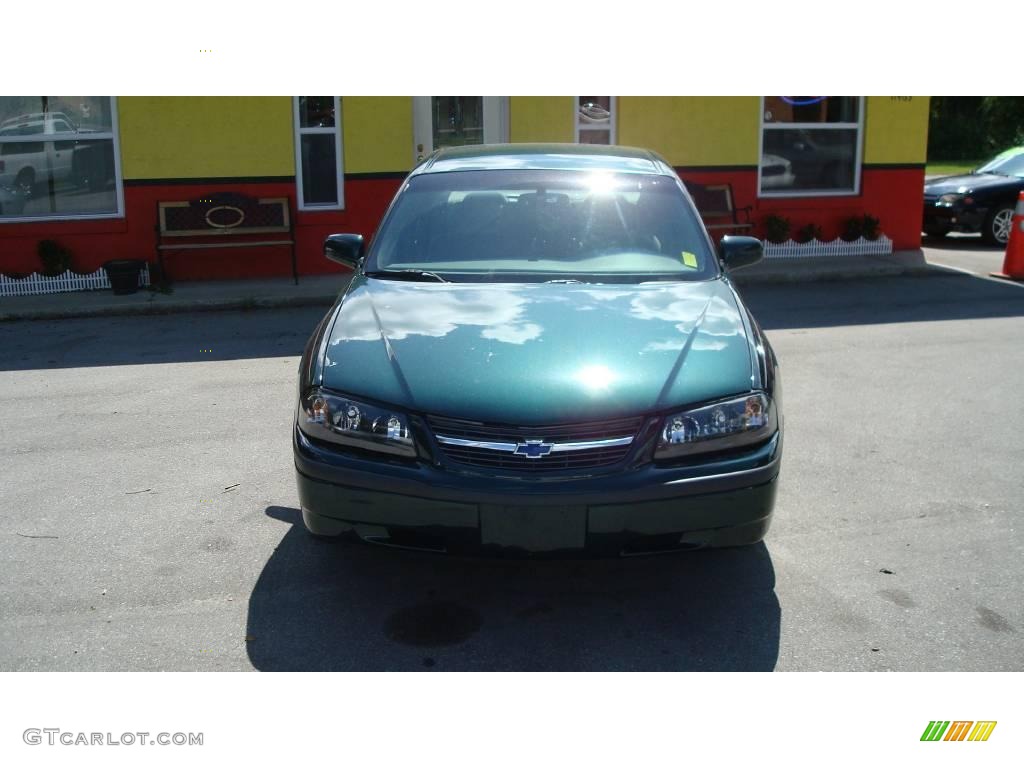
column 941, row 295
column 153, row 339
column 335, row 605
column 225, row 336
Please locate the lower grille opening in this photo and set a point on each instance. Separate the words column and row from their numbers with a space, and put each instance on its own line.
column 659, row 544
column 406, row 538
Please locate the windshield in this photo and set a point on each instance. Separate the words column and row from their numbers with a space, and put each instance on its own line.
column 543, row 225
column 1009, row 163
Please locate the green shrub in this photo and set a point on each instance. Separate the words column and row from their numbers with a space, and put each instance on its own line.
column 55, row 258
column 809, row 232
column 776, row 228
column 866, row 226
column 871, row 227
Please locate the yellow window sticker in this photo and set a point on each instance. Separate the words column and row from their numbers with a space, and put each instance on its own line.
column 689, row 259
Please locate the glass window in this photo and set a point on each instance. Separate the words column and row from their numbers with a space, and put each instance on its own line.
column 595, row 119
column 318, row 162
column 316, row 112
column 457, row 120
column 810, row 145
column 75, row 176
column 811, row 109
column 540, row 225
column 1009, row 163
column 319, row 178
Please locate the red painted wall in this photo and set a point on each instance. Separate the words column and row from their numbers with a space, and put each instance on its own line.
column 134, row 237
column 892, row 194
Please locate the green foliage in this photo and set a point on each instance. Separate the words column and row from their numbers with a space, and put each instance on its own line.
column 866, row 226
column 776, row 228
column 808, row 232
column 56, row 259
column 870, row 227
column 968, row 127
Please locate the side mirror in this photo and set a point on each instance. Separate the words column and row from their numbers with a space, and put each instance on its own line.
column 735, row 252
column 347, row 250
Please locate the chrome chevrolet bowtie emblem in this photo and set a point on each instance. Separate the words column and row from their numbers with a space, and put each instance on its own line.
column 533, row 449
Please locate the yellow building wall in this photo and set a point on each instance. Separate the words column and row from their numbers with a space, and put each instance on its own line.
column 180, row 137
column 208, row 137
column 377, row 133
column 692, row 130
column 541, row 118
column 896, row 129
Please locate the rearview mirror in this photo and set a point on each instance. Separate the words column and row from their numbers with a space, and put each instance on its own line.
column 735, row 251
column 347, row 250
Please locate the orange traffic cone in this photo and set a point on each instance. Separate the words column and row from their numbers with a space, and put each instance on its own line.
column 1013, row 264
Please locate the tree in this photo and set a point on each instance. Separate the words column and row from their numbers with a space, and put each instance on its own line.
column 974, row 127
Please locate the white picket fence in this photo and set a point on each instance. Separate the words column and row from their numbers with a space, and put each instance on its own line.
column 838, row 247
column 36, row 284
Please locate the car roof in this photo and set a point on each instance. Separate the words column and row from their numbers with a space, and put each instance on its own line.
column 569, row 157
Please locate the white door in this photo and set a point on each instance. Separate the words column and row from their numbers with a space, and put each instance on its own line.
column 452, row 121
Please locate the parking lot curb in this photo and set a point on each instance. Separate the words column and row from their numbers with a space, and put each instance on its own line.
column 169, row 308
column 825, row 269
column 907, row 263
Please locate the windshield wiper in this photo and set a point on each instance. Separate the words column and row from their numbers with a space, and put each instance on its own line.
column 406, row 274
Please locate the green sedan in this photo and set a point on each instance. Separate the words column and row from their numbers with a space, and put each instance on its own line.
column 540, row 352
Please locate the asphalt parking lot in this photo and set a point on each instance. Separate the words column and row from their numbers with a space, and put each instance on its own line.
column 149, row 521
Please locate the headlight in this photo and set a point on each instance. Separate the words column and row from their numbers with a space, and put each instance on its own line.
column 339, row 419
column 950, row 199
column 718, row 427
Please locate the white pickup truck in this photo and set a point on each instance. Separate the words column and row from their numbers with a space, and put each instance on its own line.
column 50, row 146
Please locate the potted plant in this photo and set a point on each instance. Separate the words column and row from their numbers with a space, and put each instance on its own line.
column 124, row 274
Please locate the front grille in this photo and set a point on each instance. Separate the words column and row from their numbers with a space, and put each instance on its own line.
column 555, row 433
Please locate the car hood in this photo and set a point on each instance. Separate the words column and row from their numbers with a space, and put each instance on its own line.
column 536, row 353
column 970, row 182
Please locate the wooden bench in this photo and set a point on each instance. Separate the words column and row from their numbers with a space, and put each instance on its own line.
column 223, row 220
column 715, row 201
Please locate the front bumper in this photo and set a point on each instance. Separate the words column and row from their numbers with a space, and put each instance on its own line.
column 725, row 502
column 952, row 219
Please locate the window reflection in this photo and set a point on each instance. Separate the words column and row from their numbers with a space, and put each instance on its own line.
column 457, row 120
column 543, row 222
column 811, row 109
column 809, row 159
column 810, row 144
column 595, row 119
column 318, row 174
column 319, row 179
column 72, row 176
column 316, row 111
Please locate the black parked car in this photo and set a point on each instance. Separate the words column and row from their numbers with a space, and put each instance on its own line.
column 980, row 201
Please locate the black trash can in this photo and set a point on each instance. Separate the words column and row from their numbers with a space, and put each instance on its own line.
column 124, row 274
